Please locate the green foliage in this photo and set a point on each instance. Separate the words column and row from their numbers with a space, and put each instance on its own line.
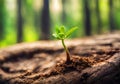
column 72, row 14
column 61, row 33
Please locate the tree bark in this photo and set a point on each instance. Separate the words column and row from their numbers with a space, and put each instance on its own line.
column 63, row 12
column 87, row 17
column 19, row 21
column 20, row 64
column 1, row 19
column 111, row 16
column 45, row 21
column 98, row 17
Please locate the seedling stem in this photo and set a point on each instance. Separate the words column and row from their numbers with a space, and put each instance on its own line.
column 67, row 51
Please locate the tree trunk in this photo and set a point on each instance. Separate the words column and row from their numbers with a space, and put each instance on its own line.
column 111, row 16
column 1, row 19
column 45, row 21
column 87, row 17
column 63, row 12
column 19, row 21
column 98, row 17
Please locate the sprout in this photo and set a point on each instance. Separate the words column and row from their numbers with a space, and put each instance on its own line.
column 61, row 34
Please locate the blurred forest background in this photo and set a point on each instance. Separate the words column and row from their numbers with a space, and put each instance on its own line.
column 32, row 20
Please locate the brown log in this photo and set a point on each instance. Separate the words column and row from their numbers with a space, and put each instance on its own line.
column 35, row 63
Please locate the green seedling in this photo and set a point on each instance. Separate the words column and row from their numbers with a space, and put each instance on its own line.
column 62, row 34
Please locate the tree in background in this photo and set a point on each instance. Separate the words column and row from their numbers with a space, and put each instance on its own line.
column 63, row 12
column 45, row 21
column 99, row 26
column 87, row 14
column 111, row 16
column 1, row 19
column 19, row 22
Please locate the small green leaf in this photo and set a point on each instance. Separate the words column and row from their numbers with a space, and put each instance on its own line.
column 57, row 30
column 62, row 29
column 56, row 36
column 68, row 33
column 60, row 32
column 61, row 35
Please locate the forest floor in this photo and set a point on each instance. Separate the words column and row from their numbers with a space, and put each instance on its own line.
column 43, row 62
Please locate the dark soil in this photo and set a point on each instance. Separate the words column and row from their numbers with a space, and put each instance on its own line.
column 44, row 62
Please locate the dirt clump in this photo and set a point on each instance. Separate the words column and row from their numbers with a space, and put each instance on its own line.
column 76, row 64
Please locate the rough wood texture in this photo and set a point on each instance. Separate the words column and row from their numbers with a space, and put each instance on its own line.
column 32, row 63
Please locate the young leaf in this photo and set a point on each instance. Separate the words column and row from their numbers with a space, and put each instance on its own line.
column 62, row 29
column 57, row 30
column 60, row 32
column 56, row 36
column 68, row 33
column 61, row 35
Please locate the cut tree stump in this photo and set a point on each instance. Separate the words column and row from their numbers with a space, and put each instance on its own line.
column 94, row 60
